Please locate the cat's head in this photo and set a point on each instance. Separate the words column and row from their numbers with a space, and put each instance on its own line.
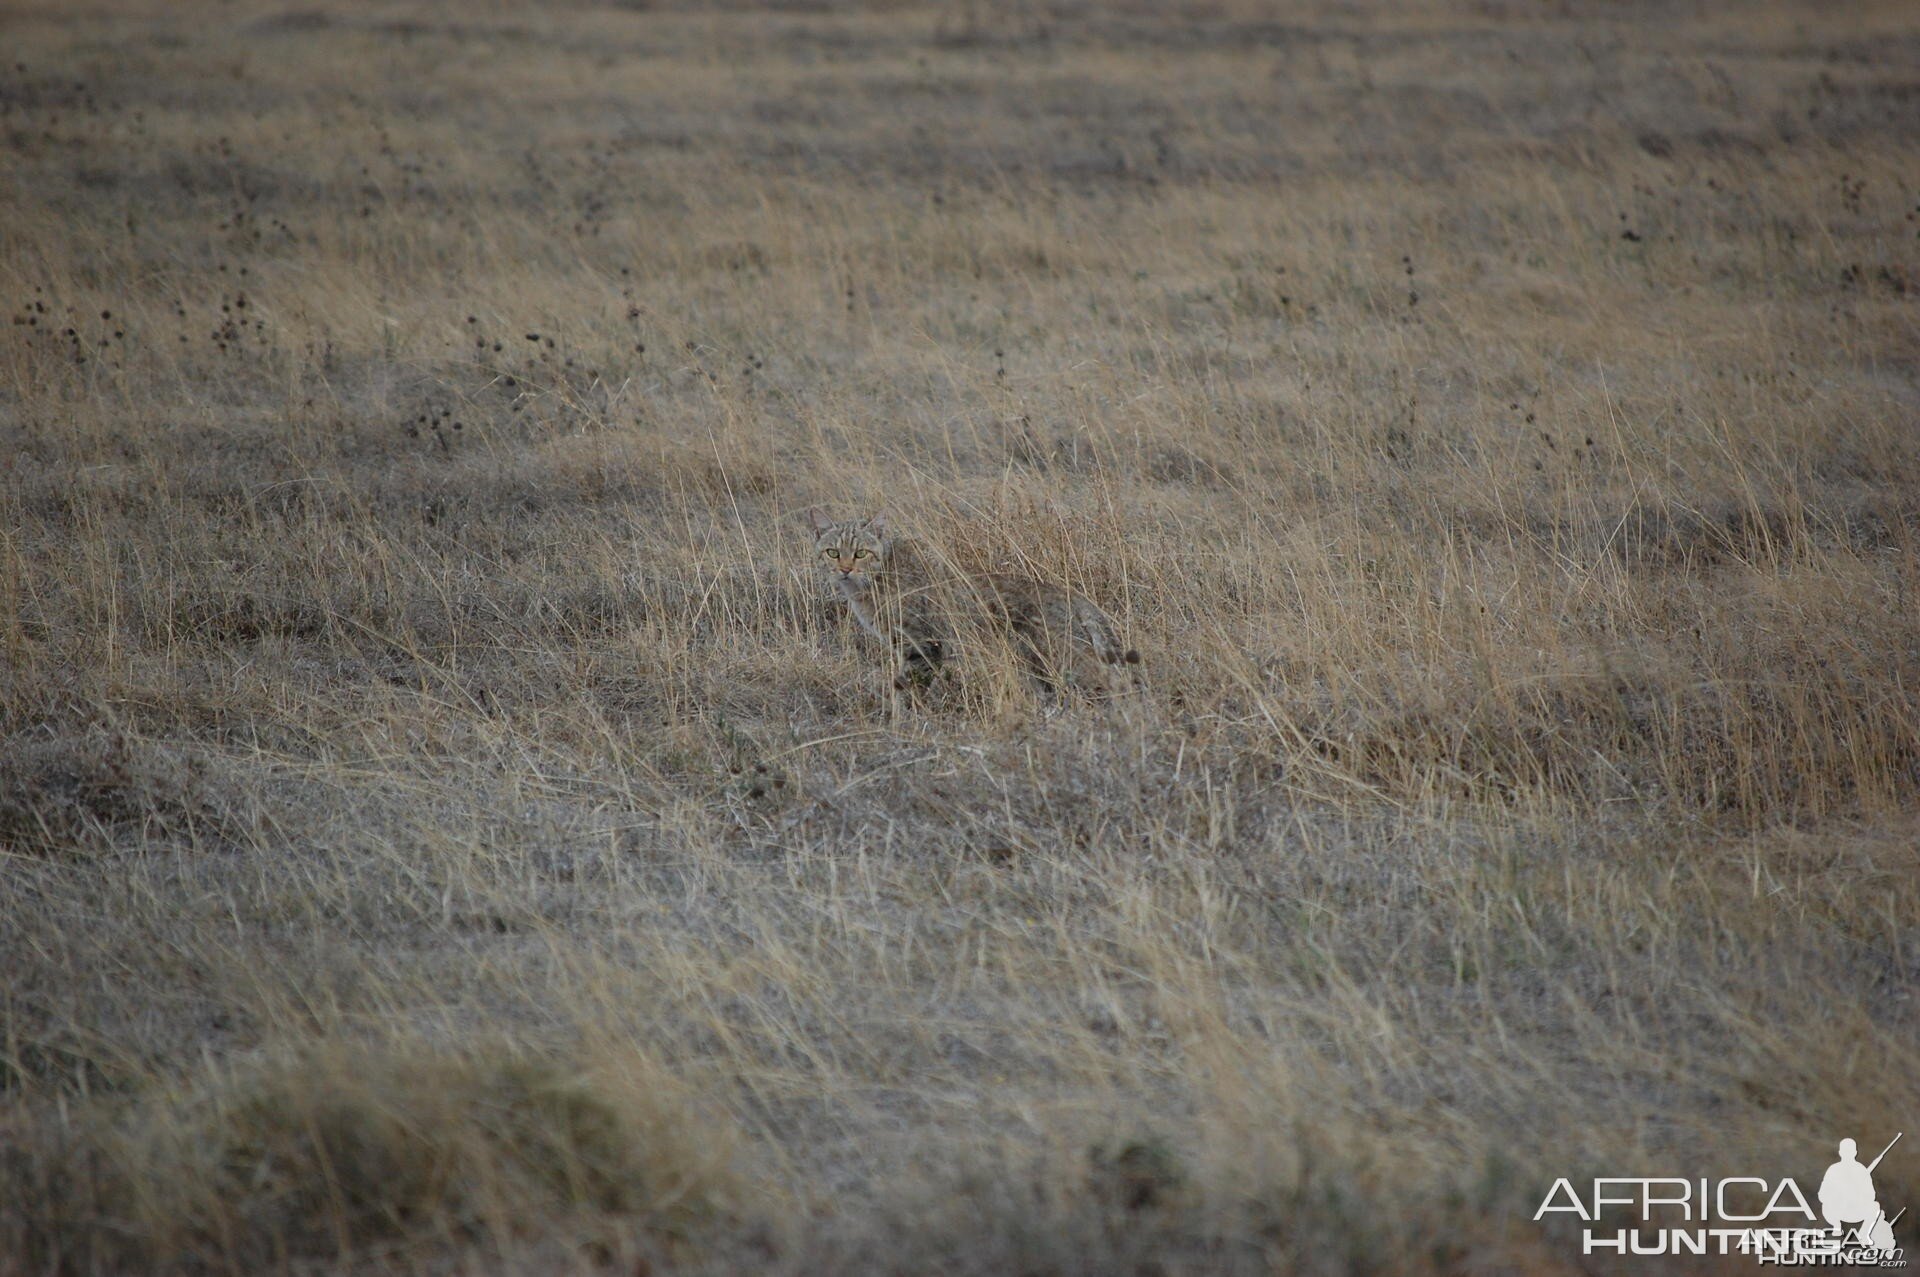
column 852, row 548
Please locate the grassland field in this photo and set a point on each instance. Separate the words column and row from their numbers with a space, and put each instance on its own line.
column 446, row 828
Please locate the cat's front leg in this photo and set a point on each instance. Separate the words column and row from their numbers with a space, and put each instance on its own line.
column 920, row 660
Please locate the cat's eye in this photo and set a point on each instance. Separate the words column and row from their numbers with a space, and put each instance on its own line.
column 863, row 554
column 833, row 554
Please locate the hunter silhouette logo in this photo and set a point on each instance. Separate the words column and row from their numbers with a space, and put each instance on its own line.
column 1847, row 1197
column 1772, row 1221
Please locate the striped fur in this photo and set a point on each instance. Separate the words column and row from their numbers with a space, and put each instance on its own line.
column 1059, row 632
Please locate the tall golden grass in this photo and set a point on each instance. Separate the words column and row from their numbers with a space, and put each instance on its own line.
column 443, row 826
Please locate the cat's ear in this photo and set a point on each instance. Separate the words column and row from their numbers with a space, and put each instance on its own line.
column 817, row 519
column 878, row 523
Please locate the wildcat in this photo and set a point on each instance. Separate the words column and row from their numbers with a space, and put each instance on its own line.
column 896, row 599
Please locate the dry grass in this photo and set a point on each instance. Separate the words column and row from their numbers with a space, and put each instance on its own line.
column 443, row 827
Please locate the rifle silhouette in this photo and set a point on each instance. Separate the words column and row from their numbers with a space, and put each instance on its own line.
column 1883, row 1152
